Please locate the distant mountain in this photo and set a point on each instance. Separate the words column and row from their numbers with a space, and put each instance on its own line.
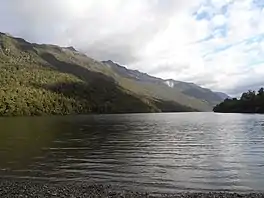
column 190, row 90
column 223, row 95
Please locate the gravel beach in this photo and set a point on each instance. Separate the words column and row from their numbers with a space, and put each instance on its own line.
column 28, row 189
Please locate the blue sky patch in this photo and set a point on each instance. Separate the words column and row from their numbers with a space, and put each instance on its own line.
column 258, row 3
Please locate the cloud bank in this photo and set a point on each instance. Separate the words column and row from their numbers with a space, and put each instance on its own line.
column 218, row 44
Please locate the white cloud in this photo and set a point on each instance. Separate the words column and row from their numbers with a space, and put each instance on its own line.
column 215, row 43
column 219, row 20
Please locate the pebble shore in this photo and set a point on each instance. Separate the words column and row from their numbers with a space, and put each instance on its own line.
column 34, row 189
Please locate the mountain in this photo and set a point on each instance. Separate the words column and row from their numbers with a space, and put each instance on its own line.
column 171, row 86
column 39, row 79
column 223, row 95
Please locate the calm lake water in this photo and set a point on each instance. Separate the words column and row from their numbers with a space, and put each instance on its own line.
column 144, row 152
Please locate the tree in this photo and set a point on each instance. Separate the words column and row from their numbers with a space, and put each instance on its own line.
column 250, row 102
column 261, row 91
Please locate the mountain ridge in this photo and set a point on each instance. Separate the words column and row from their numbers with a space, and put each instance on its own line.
column 41, row 79
column 188, row 88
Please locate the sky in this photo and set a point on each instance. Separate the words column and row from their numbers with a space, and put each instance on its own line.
column 218, row 44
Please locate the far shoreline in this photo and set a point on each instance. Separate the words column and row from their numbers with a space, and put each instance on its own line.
column 126, row 113
column 96, row 114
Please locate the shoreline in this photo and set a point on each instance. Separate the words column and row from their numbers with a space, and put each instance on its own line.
column 100, row 114
column 25, row 188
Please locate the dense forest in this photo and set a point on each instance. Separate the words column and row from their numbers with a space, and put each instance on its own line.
column 50, row 80
column 249, row 102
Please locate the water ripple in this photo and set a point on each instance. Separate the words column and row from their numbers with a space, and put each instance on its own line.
column 153, row 152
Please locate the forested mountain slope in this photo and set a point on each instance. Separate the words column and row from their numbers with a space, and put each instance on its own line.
column 46, row 79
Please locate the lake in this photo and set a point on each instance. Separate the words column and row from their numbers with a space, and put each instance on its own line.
column 143, row 152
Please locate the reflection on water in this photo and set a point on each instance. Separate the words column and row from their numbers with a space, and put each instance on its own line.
column 153, row 152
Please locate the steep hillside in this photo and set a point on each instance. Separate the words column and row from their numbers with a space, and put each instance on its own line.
column 186, row 93
column 198, row 92
column 46, row 79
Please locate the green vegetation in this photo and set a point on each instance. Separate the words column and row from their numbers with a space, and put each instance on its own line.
column 49, row 80
column 250, row 102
